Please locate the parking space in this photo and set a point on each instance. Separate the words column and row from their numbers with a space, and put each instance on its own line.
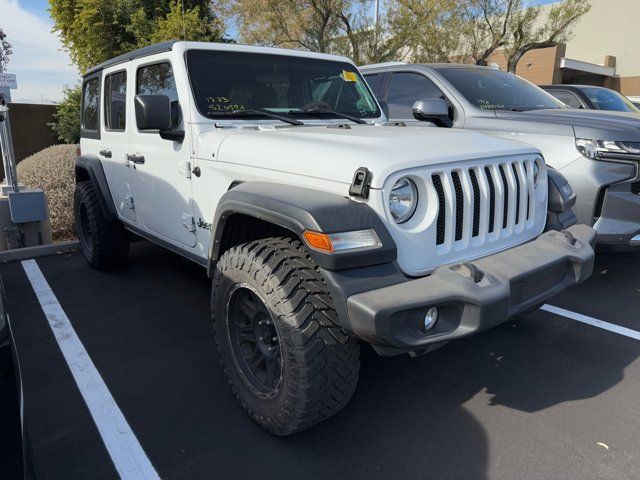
column 543, row 396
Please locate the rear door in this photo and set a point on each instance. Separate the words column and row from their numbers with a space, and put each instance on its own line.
column 161, row 173
column 114, row 142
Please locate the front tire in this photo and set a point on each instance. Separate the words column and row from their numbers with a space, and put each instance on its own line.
column 288, row 362
column 105, row 243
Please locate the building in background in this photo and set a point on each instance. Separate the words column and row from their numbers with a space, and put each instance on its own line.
column 604, row 51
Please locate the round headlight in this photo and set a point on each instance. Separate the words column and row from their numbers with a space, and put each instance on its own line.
column 403, row 200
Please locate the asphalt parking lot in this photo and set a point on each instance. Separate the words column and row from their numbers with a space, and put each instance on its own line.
column 541, row 397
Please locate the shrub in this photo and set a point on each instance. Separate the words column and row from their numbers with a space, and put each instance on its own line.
column 66, row 120
column 52, row 170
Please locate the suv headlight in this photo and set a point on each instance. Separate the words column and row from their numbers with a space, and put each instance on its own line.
column 403, row 200
column 599, row 149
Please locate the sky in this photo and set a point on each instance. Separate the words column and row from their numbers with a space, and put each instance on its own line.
column 42, row 67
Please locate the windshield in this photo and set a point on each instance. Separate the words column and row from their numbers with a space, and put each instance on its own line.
column 491, row 89
column 224, row 82
column 605, row 99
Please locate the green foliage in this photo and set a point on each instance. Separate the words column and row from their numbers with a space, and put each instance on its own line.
column 52, row 170
column 66, row 122
column 5, row 50
column 429, row 30
column 327, row 26
column 94, row 31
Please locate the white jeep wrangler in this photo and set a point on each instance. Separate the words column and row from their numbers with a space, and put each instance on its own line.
column 320, row 225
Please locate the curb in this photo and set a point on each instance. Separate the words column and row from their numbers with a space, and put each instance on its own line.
column 39, row 251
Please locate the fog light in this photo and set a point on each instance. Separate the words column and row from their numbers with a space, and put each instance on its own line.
column 430, row 318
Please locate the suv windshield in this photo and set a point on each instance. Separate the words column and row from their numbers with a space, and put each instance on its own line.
column 491, row 89
column 605, row 99
column 228, row 81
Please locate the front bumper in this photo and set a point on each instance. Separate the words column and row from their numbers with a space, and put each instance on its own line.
column 618, row 225
column 473, row 296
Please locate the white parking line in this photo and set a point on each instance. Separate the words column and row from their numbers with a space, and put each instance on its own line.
column 124, row 449
column 627, row 332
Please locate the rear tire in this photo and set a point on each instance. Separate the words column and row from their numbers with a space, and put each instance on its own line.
column 105, row 243
column 269, row 300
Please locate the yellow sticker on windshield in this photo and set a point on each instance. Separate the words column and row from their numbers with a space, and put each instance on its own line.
column 349, row 76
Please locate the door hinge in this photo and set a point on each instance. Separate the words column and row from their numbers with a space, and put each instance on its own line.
column 185, row 169
column 128, row 201
column 188, row 222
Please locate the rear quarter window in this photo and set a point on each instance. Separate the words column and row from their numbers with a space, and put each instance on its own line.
column 90, row 111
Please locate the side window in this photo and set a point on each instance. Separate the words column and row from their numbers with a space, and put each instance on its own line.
column 158, row 80
column 115, row 94
column 567, row 98
column 375, row 83
column 404, row 89
column 90, row 107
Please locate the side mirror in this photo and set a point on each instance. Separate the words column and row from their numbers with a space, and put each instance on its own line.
column 432, row 110
column 153, row 112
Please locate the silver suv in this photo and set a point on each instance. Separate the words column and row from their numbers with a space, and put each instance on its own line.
column 597, row 151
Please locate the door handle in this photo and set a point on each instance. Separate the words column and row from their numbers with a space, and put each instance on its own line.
column 137, row 159
column 105, row 153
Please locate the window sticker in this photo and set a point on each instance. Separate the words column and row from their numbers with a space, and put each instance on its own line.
column 223, row 104
column 349, row 76
column 487, row 105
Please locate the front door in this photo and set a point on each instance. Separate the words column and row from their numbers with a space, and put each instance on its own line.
column 160, row 172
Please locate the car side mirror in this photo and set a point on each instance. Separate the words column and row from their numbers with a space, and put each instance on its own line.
column 153, row 112
column 433, row 110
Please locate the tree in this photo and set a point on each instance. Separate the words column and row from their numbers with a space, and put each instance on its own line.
column 528, row 35
column 486, row 27
column 326, row 26
column 492, row 25
column 5, row 50
column 429, row 30
column 96, row 30
column 66, row 122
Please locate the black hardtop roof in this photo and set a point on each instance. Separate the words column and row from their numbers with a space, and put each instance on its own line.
column 125, row 57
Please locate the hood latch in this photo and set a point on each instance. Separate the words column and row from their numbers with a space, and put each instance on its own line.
column 361, row 183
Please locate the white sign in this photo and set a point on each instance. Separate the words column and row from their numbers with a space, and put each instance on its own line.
column 8, row 80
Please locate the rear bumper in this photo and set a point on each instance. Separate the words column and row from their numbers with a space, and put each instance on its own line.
column 472, row 296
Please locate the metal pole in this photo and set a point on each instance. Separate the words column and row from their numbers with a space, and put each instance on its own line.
column 377, row 14
column 376, row 26
column 6, row 145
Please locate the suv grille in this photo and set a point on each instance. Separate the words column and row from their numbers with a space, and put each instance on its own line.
column 478, row 201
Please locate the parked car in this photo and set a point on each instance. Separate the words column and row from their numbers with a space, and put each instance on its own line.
column 597, row 151
column 591, row 98
column 635, row 100
column 17, row 454
column 320, row 226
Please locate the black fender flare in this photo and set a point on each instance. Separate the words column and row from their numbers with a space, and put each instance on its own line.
column 89, row 167
column 298, row 209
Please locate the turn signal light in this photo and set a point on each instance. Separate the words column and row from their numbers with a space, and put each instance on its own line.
column 339, row 242
column 319, row 241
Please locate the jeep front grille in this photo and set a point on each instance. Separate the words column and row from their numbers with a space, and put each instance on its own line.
column 480, row 201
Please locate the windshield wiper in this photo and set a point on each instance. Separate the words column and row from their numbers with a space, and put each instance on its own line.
column 255, row 112
column 328, row 111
